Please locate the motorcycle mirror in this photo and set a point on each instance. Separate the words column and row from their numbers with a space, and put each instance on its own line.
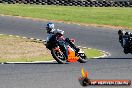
column 72, row 40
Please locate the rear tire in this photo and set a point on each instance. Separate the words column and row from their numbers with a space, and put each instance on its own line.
column 60, row 59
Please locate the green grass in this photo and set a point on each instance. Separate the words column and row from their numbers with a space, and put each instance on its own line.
column 90, row 53
column 115, row 16
column 31, row 59
column 15, row 49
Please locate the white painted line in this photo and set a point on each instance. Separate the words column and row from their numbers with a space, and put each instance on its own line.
column 2, row 63
column 32, row 38
column 1, row 34
column 79, row 46
column 44, row 40
column 17, row 36
column 89, row 48
column 38, row 39
column 105, row 54
column 84, row 47
column 10, row 35
column 45, row 61
column 24, row 37
column 35, row 62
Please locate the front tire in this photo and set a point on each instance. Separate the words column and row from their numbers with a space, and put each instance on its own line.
column 126, row 51
column 82, row 58
column 59, row 56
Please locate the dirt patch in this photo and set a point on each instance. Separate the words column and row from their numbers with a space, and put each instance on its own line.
column 17, row 49
column 12, row 48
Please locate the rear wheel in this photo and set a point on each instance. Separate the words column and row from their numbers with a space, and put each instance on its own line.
column 58, row 56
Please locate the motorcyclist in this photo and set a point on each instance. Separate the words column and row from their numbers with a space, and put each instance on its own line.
column 121, row 34
column 51, row 34
column 124, row 38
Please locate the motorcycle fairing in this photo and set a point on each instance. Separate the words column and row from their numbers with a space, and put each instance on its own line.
column 71, row 55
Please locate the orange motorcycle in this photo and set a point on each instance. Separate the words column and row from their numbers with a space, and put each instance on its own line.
column 63, row 53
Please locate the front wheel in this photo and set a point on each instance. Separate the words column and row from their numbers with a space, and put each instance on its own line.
column 82, row 58
column 126, row 51
column 58, row 56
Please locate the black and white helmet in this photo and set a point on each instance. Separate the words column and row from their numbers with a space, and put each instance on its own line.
column 50, row 27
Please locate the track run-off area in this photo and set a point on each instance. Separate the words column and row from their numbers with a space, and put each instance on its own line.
column 53, row 75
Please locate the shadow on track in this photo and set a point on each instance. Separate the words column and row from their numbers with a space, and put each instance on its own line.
column 114, row 58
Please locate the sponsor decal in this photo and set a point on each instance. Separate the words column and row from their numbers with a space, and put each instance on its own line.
column 86, row 81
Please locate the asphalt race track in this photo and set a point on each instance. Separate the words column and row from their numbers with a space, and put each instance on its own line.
column 96, row 37
column 53, row 75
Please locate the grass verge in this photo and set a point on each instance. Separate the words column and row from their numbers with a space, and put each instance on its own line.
column 114, row 16
column 90, row 53
column 15, row 49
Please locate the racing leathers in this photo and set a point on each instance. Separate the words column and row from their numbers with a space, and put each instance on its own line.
column 51, row 39
column 125, row 39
